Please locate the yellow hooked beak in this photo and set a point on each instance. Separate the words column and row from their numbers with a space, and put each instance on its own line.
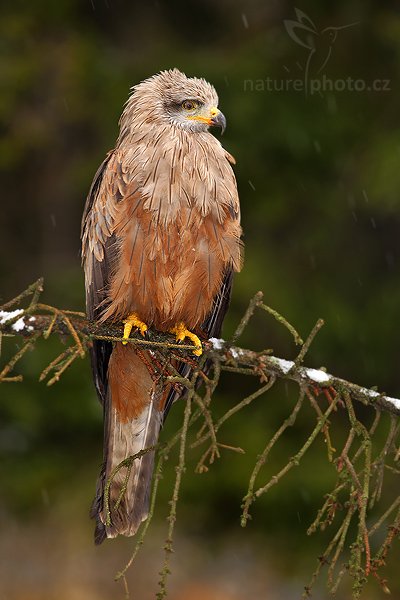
column 215, row 118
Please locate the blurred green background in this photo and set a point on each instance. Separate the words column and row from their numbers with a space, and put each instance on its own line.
column 319, row 179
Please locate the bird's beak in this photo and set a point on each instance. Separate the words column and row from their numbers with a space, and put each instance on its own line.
column 215, row 119
column 218, row 119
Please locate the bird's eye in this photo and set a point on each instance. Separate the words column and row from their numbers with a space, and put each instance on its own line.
column 189, row 104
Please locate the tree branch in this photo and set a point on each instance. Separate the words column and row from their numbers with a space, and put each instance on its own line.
column 37, row 320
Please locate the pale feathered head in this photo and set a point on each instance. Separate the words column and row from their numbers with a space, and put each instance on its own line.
column 171, row 98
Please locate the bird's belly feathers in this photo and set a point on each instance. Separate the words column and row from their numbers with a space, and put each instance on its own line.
column 171, row 274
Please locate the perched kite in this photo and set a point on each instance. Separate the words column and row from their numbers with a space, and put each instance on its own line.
column 160, row 242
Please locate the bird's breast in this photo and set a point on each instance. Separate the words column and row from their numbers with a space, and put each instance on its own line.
column 168, row 273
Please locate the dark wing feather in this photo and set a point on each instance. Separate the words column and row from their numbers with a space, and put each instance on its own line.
column 100, row 351
column 93, row 191
column 213, row 324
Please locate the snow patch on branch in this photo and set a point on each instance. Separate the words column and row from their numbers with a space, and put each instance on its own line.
column 317, row 375
column 20, row 324
column 373, row 394
column 394, row 401
column 6, row 315
column 236, row 353
column 284, row 365
column 217, row 343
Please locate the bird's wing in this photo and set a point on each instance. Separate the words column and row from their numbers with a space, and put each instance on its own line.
column 95, row 257
column 213, row 324
column 93, row 244
column 100, row 252
column 130, row 400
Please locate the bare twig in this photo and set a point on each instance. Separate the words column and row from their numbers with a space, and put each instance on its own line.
column 162, row 593
column 289, row 422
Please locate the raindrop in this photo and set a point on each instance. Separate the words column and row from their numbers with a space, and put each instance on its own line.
column 331, row 103
column 245, row 21
column 251, row 185
column 373, row 222
column 53, row 219
column 317, row 146
column 364, row 193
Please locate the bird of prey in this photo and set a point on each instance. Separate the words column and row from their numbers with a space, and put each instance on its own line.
column 160, row 242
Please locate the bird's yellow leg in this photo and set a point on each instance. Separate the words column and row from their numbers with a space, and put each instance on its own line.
column 181, row 333
column 130, row 322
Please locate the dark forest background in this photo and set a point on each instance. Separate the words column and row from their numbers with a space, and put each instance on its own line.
column 319, row 180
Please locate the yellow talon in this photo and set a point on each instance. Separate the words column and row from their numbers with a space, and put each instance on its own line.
column 130, row 322
column 181, row 333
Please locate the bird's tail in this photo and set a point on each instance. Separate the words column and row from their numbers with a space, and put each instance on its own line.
column 132, row 421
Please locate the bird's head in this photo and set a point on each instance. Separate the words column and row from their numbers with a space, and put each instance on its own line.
column 194, row 113
column 170, row 97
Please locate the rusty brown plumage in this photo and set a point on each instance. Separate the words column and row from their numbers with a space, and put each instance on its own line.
column 160, row 238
